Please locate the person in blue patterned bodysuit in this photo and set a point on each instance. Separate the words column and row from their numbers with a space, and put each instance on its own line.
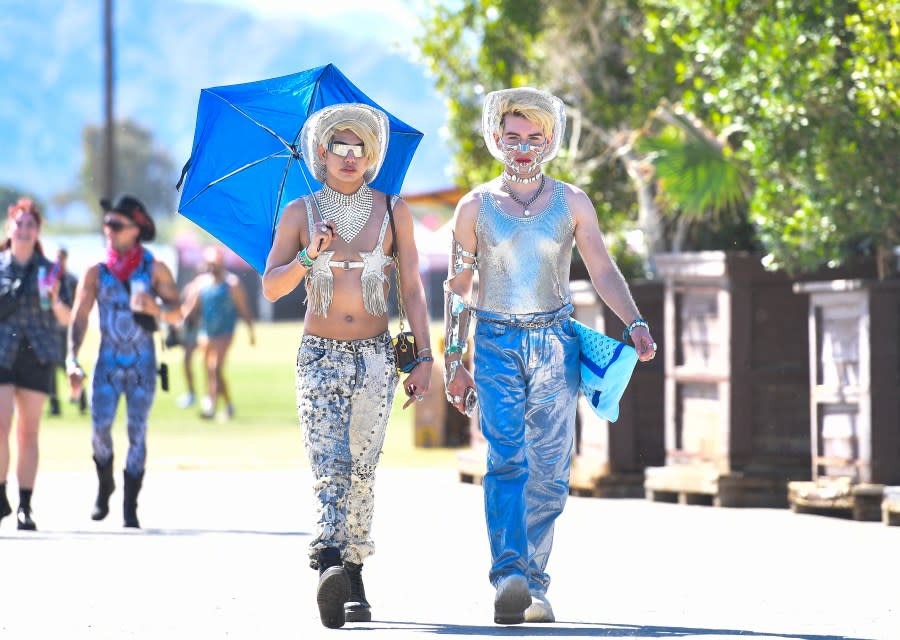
column 124, row 287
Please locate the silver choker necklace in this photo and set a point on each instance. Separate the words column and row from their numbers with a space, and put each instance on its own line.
column 511, row 177
column 349, row 212
column 528, row 202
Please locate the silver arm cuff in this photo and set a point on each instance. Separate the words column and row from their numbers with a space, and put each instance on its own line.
column 458, row 257
column 456, row 321
column 456, row 312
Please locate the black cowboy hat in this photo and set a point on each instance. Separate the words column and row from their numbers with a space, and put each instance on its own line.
column 134, row 210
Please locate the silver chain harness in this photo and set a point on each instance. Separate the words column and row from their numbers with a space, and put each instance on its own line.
column 525, row 203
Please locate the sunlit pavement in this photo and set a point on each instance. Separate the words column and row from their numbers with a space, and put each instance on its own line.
column 223, row 555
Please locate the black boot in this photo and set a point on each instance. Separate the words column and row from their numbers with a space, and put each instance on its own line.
column 106, row 486
column 23, row 515
column 129, row 506
column 357, row 608
column 334, row 588
column 26, row 523
column 5, row 507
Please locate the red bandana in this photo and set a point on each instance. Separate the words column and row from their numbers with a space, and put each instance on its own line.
column 122, row 265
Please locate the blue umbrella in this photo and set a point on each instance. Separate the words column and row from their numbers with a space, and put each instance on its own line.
column 246, row 162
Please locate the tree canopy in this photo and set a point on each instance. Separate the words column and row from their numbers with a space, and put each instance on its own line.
column 813, row 84
column 142, row 169
column 800, row 94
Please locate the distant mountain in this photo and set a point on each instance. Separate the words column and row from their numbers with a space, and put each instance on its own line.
column 51, row 66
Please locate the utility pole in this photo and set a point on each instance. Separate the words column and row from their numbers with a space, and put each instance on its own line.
column 109, row 155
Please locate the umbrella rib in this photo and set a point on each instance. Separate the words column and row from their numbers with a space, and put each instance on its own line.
column 228, row 175
column 284, row 175
column 254, row 121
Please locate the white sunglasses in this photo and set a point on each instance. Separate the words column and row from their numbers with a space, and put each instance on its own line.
column 343, row 148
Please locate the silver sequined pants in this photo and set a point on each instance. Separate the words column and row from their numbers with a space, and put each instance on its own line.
column 527, row 383
column 344, row 394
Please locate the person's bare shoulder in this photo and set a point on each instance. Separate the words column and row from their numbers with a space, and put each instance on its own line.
column 398, row 206
column 294, row 212
column 574, row 194
column 579, row 203
column 468, row 207
column 91, row 274
column 161, row 270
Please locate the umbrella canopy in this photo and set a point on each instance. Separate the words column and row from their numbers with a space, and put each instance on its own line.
column 246, row 162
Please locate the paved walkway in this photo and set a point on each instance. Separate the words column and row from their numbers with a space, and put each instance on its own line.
column 223, row 555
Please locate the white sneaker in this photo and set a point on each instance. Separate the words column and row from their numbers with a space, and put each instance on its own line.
column 207, row 408
column 539, row 610
column 511, row 600
column 185, row 400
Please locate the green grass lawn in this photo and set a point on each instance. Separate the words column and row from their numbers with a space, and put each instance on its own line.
column 263, row 434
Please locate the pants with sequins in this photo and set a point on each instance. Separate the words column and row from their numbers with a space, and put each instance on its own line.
column 344, row 393
column 527, row 382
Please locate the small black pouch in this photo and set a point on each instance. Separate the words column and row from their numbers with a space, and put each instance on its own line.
column 405, row 350
column 404, row 342
column 163, row 372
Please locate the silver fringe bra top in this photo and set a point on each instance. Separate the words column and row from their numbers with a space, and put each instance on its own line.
column 523, row 263
column 320, row 279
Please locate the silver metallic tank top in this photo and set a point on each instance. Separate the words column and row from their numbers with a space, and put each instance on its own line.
column 523, row 263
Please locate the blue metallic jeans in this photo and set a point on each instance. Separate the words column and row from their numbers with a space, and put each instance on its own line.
column 526, row 376
column 344, row 393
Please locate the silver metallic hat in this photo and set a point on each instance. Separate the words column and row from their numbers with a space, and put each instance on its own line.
column 491, row 117
column 320, row 124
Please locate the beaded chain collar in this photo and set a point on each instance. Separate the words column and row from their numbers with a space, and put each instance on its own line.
column 349, row 212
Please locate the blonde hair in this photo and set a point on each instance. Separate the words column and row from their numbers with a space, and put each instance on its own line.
column 361, row 131
column 529, row 110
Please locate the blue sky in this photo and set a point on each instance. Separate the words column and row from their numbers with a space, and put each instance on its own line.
column 168, row 50
column 392, row 21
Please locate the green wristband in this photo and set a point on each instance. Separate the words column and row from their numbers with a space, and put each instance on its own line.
column 304, row 259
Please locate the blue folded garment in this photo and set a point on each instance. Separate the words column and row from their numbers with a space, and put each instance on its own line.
column 606, row 367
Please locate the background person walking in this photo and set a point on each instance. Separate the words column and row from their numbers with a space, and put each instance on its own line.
column 67, row 284
column 29, row 348
column 218, row 297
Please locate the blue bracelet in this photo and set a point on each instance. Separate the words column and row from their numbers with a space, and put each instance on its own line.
column 638, row 322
